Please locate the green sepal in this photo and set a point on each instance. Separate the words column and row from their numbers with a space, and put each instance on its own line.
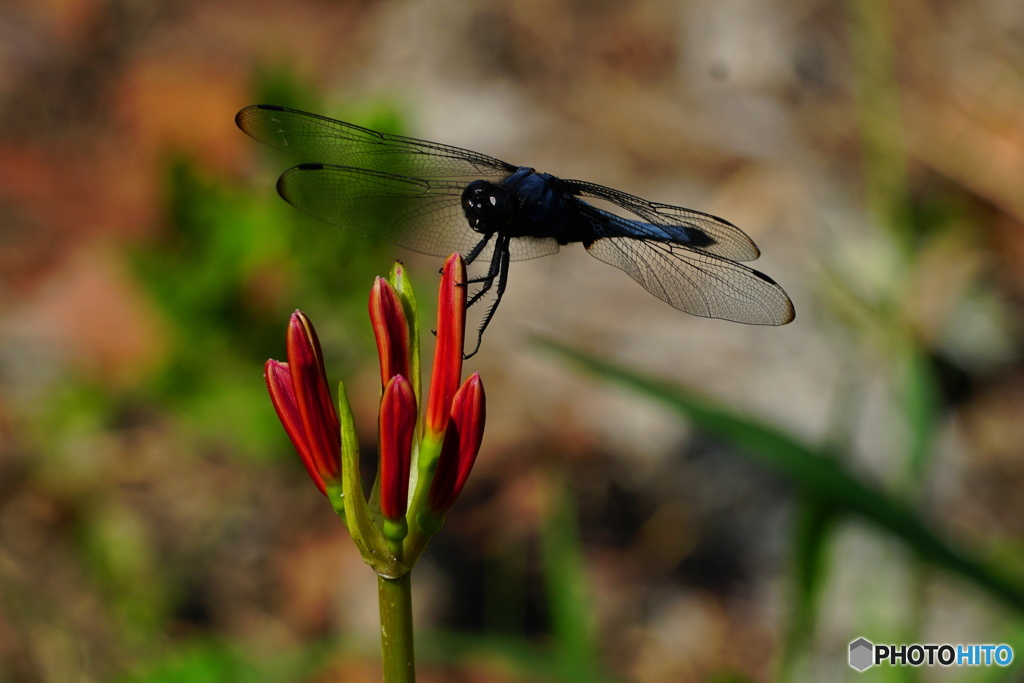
column 368, row 538
column 426, row 465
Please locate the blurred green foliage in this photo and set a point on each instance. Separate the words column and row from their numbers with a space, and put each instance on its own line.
column 218, row 661
column 233, row 264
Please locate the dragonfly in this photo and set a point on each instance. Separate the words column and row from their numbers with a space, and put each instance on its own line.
column 437, row 199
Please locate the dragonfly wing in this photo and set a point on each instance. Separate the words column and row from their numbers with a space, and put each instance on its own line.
column 419, row 214
column 693, row 280
column 698, row 230
column 320, row 139
column 526, row 248
column 422, row 215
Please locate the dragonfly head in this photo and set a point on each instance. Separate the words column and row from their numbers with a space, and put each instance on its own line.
column 488, row 207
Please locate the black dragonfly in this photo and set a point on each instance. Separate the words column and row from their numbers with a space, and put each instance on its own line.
column 437, row 199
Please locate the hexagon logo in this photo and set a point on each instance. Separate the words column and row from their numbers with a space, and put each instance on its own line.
column 861, row 654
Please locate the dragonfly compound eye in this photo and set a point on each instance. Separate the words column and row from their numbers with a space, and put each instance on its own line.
column 487, row 206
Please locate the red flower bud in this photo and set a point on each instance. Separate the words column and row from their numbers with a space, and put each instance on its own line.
column 397, row 428
column 451, row 333
column 282, row 395
column 302, row 399
column 462, row 441
column 391, row 330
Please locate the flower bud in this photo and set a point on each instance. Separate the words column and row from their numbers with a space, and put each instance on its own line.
column 298, row 389
column 391, row 330
column 451, row 333
column 397, row 428
column 462, row 441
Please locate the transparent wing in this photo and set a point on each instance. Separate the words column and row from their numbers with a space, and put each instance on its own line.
column 423, row 215
column 694, row 229
column 420, row 214
column 694, row 281
column 320, row 139
column 526, row 248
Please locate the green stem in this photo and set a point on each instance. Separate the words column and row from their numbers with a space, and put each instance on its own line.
column 396, row 629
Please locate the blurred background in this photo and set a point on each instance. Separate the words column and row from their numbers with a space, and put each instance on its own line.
column 858, row 472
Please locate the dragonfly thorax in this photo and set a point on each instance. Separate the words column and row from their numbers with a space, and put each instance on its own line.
column 488, row 207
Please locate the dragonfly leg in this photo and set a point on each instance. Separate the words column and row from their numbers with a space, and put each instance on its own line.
column 471, row 256
column 492, row 272
column 499, row 271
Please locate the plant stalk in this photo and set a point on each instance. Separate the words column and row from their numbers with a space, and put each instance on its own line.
column 396, row 629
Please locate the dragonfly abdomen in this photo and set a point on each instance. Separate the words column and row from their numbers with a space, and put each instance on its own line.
column 689, row 235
